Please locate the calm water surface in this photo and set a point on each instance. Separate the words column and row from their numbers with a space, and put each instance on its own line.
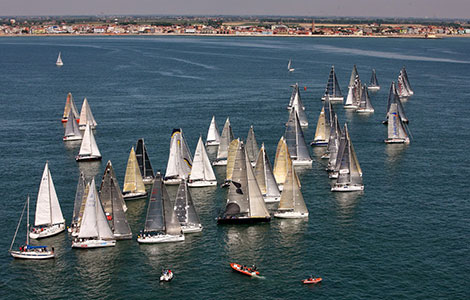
column 406, row 236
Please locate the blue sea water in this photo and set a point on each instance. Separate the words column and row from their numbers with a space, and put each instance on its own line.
column 406, row 237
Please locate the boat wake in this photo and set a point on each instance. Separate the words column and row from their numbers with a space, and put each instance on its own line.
column 259, row 277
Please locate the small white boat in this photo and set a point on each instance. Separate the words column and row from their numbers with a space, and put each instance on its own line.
column 48, row 220
column 27, row 251
column 88, row 149
column 167, row 275
column 213, row 136
column 59, row 61
column 94, row 228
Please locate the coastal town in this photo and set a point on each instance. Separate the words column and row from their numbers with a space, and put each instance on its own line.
column 220, row 26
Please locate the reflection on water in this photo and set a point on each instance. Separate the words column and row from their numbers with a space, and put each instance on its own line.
column 90, row 169
column 72, row 146
column 318, row 152
column 394, row 152
column 346, row 203
column 245, row 240
column 291, row 230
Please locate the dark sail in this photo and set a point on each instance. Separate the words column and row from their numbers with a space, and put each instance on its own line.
column 154, row 220
column 143, row 160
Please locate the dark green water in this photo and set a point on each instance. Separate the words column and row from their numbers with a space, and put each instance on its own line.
column 406, row 236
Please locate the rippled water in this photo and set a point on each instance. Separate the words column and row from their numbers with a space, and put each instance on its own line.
column 406, row 236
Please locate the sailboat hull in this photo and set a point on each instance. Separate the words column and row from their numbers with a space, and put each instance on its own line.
column 161, row 238
column 87, row 158
column 397, row 141
column 148, row 180
column 271, row 199
column 290, row 215
column 122, row 236
column 72, row 138
column 347, row 188
column 191, row 228
column 319, row 143
column 350, row 106
column 365, row 110
column 172, row 181
column 332, row 174
column 32, row 255
column 242, row 220
column 373, row 88
column 134, row 195
column 333, row 98
column 221, row 162
column 38, row 233
column 296, row 162
column 202, row 183
column 212, row 143
column 83, row 127
column 87, row 244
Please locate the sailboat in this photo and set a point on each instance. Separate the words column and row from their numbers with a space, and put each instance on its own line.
column 323, row 127
column 365, row 106
column 332, row 87
column 349, row 171
column 232, row 153
column 86, row 116
column 393, row 97
column 298, row 106
column 289, row 66
column 89, row 149
column 374, row 83
column 161, row 223
column 265, row 177
column 113, row 204
column 354, row 75
column 213, row 136
column 245, row 202
column 295, row 94
column 70, row 106
column 281, row 163
column 59, row 61
column 134, row 187
column 335, row 157
column 403, row 85
column 80, row 198
column 179, row 160
column 225, row 139
column 143, row 160
column 185, row 210
column 27, row 251
column 94, row 229
column 396, row 129
column 48, row 220
column 71, row 131
column 354, row 95
column 333, row 140
column 251, row 146
column 296, row 142
column 202, row 173
column 292, row 204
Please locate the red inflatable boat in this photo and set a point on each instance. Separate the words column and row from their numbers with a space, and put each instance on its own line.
column 250, row 271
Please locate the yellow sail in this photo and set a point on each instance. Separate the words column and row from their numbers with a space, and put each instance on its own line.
column 281, row 162
column 133, row 181
column 320, row 133
column 232, row 151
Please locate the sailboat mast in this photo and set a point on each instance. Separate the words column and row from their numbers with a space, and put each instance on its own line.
column 27, row 222
column 19, row 222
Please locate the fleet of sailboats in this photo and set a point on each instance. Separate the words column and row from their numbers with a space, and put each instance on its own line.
column 185, row 210
column 48, row 220
column 213, row 136
column 161, row 224
column 143, row 161
column 202, row 174
column 333, row 90
column 225, row 139
column 94, row 229
column 179, row 161
column 134, row 187
column 89, row 149
column 86, row 116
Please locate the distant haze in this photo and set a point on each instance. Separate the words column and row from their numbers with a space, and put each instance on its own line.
column 366, row 8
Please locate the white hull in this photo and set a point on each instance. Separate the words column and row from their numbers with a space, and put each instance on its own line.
column 350, row 106
column 148, row 180
column 191, row 228
column 202, row 183
column 319, row 143
column 333, row 98
column 304, row 124
column 346, row 188
column 290, row 215
column 166, row 277
column 59, row 64
column 32, row 254
column 72, row 138
column 173, row 181
column 373, row 88
column 366, row 110
column 137, row 195
column 302, row 162
column 212, row 143
column 87, row 157
column 83, row 127
column 333, row 175
column 222, row 162
column 271, row 199
column 397, row 141
column 38, row 233
column 85, row 244
column 161, row 238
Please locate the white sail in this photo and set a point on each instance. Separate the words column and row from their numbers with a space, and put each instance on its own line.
column 257, row 205
column 86, row 116
column 94, row 223
column 72, row 132
column 265, row 177
column 354, row 75
column 89, row 146
column 59, row 61
column 298, row 106
column 70, row 106
column 48, row 210
column 295, row 94
column 251, row 145
column 202, row 168
column 291, row 197
column 396, row 129
column 225, row 139
column 179, row 160
column 296, row 142
column 213, row 136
